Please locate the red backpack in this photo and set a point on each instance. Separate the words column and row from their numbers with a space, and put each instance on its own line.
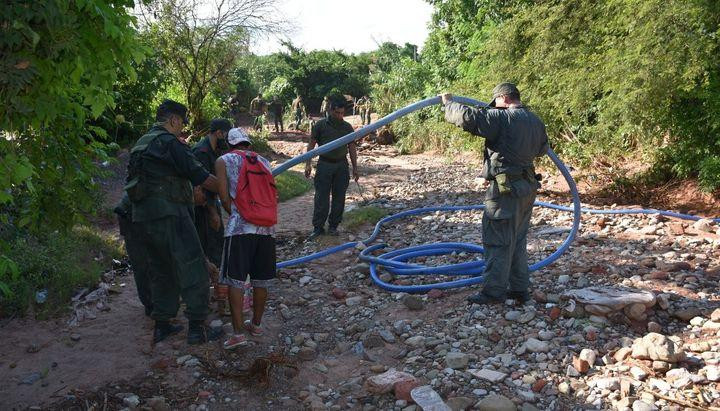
column 256, row 194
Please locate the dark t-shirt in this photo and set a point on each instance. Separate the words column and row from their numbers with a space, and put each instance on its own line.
column 276, row 108
column 330, row 129
column 205, row 154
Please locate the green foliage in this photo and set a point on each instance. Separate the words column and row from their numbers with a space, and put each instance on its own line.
column 135, row 100
column 358, row 217
column 259, row 139
column 60, row 61
column 610, row 79
column 9, row 274
column 281, row 88
column 313, row 74
column 291, row 184
column 60, row 262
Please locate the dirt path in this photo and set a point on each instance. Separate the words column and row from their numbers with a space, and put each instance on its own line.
column 42, row 363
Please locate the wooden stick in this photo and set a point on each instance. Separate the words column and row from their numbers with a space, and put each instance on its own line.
column 683, row 402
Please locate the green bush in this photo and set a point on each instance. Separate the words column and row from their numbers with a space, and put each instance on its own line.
column 291, row 184
column 59, row 262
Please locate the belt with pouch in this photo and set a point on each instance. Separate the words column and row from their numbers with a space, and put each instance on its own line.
column 332, row 160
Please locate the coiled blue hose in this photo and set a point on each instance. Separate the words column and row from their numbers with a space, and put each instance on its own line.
column 395, row 262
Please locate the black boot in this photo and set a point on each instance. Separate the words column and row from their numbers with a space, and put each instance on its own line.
column 199, row 333
column 520, row 296
column 163, row 330
column 483, row 299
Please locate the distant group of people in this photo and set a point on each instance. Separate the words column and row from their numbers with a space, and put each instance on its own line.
column 259, row 107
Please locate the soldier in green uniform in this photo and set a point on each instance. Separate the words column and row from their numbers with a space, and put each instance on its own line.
column 332, row 176
column 298, row 109
column 257, row 110
column 325, row 106
column 208, row 222
column 138, row 256
column 514, row 138
column 161, row 173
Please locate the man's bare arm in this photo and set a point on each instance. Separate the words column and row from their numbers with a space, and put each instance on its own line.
column 352, row 149
column 210, row 184
column 308, row 164
column 222, row 183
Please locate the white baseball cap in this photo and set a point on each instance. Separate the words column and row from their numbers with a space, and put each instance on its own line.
column 236, row 136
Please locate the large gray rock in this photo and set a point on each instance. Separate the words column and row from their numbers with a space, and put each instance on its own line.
column 494, row 402
column 488, row 375
column 615, row 298
column 657, row 347
column 535, row 345
column 456, row 360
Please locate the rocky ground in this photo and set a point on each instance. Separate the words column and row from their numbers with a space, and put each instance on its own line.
column 626, row 319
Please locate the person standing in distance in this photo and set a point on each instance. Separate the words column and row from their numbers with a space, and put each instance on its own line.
column 332, row 176
column 514, row 138
column 257, row 110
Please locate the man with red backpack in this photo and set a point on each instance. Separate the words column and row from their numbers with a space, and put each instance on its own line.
column 247, row 192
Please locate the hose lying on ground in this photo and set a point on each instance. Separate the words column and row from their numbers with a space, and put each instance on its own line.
column 395, row 262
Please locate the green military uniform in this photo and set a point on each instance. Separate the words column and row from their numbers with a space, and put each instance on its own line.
column 298, row 108
column 257, row 110
column 139, row 258
column 514, row 137
column 361, row 105
column 210, row 239
column 161, row 173
column 332, row 175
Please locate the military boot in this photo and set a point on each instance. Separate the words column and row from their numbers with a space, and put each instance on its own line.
column 199, row 333
column 163, row 330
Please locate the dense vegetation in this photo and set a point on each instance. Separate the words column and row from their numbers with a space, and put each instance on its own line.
column 611, row 79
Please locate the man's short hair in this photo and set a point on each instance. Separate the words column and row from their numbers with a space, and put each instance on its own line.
column 220, row 124
column 337, row 102
column 170, row 107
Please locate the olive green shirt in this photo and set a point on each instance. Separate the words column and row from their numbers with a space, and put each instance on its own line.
column 167, row 156
column 330, row 129
column 514, row 136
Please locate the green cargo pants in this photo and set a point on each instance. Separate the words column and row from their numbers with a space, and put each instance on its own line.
column 210, row 240
column 139, row 258
column 505, row 225
column 330, row 178
column 177, row 268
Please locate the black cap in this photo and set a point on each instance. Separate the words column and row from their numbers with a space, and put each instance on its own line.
column 220, row 124
column 168, row 107
column 504, row 89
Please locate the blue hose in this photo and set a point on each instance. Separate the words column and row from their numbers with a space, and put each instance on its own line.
column 395, row 262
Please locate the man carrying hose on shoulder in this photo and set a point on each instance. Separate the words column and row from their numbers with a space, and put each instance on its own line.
column 514, row 137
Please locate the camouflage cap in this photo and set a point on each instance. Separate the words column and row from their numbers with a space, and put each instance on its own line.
column 503, row 89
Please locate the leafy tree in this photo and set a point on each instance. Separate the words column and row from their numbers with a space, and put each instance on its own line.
column 202, row 40
column 60, row 61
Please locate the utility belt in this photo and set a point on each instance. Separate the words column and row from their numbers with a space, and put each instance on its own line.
column 332, row 160
column 503, row 180
column 171, row 188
